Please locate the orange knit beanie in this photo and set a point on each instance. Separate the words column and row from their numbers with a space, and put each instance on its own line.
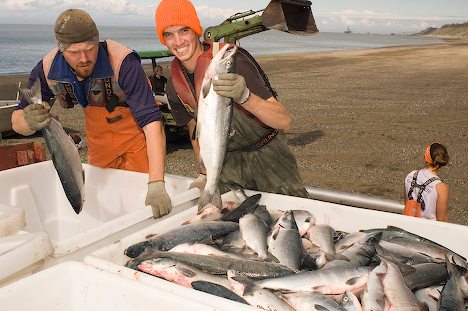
column 176, row 13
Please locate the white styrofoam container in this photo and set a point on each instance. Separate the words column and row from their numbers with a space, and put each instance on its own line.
column 21, row 253
column 11, row 219
column 114, row 200
column 75, row 286
column 340, row 217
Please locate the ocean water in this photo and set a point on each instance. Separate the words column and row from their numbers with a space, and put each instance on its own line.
column 22, row 46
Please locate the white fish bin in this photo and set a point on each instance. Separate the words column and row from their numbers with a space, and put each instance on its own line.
column 20, row 252
column 32, row 199
column 340, row 217
column 75, row 286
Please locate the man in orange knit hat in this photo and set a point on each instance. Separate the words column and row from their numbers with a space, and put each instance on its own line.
column 123, row 124
column 257, row 156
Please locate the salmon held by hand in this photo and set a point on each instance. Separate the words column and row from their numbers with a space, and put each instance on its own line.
column 214, row 126
column 63, row 151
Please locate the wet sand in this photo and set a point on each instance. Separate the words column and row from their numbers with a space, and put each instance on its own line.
column 361, row 119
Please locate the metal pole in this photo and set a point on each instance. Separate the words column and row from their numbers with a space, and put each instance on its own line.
column 17, row 92
column 356, row 200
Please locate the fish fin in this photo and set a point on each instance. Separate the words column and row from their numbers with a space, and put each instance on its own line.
column 205, row 88
column 320, row 308
column 187, row 272
column 26, row 94
column 32, row 95
column 274, row 233
column 36, row 89
column 353, row 281
column 204, row 200
column 317, row 288
column 213, row 198
column 248, row 288
column 248, row 285
column 236, row 189
column 217, row 201
column 217, row 290
column 308, row 262
column 451, row 267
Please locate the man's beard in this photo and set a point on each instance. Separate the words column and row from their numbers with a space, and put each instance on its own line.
column 84, row 72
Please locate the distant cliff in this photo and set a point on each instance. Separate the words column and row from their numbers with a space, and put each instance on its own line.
column 447, row 31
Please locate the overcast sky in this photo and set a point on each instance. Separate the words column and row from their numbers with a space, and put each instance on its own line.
column 377, row 16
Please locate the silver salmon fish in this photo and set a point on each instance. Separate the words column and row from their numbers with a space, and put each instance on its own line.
column 214, row 118
column 64, row 153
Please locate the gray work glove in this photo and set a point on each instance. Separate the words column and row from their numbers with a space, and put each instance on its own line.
column 199, row 183
column 232, row 85
column 37, row 116
column 158, row 198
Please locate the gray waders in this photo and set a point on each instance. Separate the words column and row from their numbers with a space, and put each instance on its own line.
column 269, row 168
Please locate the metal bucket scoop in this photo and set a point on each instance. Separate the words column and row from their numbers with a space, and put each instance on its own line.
column 293, row 16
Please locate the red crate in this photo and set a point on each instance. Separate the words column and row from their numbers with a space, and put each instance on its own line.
column 12, row 156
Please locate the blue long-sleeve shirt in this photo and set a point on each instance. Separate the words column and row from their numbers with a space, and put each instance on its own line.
column 132, row 80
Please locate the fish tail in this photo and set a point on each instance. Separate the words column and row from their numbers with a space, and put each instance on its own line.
column 210, row 197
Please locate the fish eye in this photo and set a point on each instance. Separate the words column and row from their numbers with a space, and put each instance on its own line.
column 345, row 299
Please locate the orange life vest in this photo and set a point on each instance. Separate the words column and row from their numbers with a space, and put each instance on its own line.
column 113, row 137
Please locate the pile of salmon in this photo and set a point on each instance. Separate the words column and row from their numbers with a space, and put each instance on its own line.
column 285, row 260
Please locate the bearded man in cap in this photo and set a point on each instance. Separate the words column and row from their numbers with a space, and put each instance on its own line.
column 123, row 123
column 257, row 155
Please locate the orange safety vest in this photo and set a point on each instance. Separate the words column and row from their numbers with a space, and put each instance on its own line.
column 114, row 138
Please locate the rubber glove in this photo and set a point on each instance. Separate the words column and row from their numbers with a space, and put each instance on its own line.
column 232, row 85
column 199, row 183
column 158, row 198
column 37, row 116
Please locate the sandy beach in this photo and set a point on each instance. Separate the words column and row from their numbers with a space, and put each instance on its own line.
column 361, row 119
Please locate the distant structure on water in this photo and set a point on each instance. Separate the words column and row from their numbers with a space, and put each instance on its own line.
column 348, row 30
